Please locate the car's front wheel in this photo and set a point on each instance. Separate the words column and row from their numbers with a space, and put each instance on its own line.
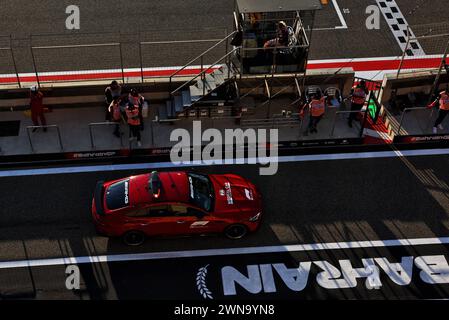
column 236, row 231
column 134, row 238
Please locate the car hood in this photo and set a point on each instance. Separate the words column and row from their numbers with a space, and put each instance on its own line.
column 235, row 194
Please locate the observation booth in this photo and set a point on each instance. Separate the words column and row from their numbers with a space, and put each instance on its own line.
column 266, row 47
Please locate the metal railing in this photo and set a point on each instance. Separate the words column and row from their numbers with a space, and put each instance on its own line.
column 150, row 43
column 350, row 112
column 271, row 67
column 94, row 45
column 13, row 59
column 204, row 72
column 201, row 57
column 277, row 121
column 103, row 124
column 44, row 127
column 403, row 116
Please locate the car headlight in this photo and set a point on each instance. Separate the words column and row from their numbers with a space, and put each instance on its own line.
column 256, row 217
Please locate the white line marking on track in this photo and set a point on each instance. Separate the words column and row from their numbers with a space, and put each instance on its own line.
column 340, row 16
column 144, row 166
column 398, row 26
column 223, row 252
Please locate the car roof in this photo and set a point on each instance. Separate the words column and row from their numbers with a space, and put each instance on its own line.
column 175, row 187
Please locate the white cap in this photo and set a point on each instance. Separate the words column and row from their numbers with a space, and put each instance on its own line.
column 33, row 88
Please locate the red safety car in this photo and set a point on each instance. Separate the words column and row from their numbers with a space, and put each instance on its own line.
column 176, row 203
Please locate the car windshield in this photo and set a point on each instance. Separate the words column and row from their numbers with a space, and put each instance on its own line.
column 201, row 191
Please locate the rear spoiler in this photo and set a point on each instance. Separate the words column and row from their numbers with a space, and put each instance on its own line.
column 99, row 198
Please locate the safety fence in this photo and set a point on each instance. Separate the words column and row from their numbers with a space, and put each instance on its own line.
column 426, row 47
column 99, row 134
column 104, row 56
column 8, row 65
column 420, row 121
column 54, row 57
column 178, row 54
column 31, row 129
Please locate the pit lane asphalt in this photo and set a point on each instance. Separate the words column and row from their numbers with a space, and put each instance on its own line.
column 307, row 202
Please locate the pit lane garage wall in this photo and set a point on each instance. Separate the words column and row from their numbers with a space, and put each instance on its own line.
column 405, row 101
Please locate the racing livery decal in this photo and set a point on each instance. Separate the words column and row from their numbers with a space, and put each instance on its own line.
column 228, row 191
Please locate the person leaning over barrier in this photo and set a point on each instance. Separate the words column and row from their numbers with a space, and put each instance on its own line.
column 37, row 107
column 116, row 115
column 443, row 102
column 132, row 114
column 113, row 91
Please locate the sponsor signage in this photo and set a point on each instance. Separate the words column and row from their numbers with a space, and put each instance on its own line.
column 321, row 143
column 397, row 272
column 322, row 277
column 421, row 138
column 165, row 151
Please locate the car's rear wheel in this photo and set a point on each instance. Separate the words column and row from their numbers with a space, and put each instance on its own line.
column 236, row 231
column 134, row 238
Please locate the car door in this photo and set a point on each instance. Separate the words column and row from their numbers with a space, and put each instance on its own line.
column 190, row 220
column 158, row 220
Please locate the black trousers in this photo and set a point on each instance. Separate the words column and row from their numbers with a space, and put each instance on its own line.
column 441, row 115
column 313, row 122
column 135, row 132
column 354, row 107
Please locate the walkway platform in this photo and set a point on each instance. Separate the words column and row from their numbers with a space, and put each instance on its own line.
column 78, row 135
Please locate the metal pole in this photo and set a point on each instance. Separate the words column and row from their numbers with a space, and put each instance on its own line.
column 333, row 125
column 228, row 60
column 121, row 134
column 141, row 63
column 203, row 76
column 435, row 84
column 365, row 118
column 300, row 126
column 400, row 123
column 91, row 137
column 35, row 67
column 241, row 51
column 29, row 139
column 403, row 53
column 437, row 78
column 59, row 137
column 202, row 66
column 152, row 134
column 14, row 61
column 121, row 62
